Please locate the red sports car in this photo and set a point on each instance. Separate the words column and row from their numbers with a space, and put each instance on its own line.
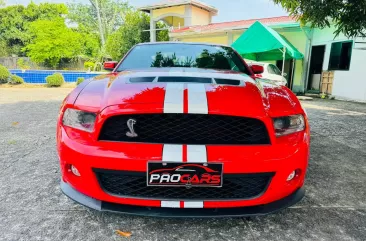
column 183, row 129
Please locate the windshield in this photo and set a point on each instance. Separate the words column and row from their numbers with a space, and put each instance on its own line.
column 183, row 55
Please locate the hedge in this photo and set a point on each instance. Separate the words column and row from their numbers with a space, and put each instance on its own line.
column 4, row 75
column 79, row 80
column 15, row 80
column 55, row 80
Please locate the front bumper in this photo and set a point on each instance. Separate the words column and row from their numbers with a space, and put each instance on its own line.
column 247, row 211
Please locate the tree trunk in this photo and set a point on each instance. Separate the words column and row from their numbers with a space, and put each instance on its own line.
column 100, row 26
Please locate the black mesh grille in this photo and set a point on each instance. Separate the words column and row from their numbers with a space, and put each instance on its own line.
column 186, row 129
column 133, row 184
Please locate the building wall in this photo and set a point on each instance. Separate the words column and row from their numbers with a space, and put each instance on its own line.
column 298, row 39
column 171, row 11
column 200, row 16
column 326, row 37
column 351, row 84
column 205, row 38
column 348, row 84
column 174, row 21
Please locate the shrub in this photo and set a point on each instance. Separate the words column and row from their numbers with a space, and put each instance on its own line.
column 55, row 80
column 4, row 74
column 15, row 80
column 79, row 80
column 22, row 64
column 89, row 64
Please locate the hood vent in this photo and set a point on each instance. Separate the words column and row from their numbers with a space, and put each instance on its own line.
column 227, row 82
column 185, row 79
column 142, row 79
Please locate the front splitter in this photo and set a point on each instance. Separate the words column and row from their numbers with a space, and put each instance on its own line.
column 183, row 212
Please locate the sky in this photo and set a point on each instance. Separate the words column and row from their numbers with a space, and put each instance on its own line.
column 229, row 10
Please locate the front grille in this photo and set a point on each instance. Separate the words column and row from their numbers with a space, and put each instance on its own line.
column 133, row 184
column 193, row 129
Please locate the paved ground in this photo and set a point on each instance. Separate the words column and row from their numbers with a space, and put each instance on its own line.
column 33, row 208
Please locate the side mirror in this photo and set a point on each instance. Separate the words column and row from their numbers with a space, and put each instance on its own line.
column 110, row 65
column 257, row 69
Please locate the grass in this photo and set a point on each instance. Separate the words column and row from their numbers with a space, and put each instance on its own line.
column 29, row 86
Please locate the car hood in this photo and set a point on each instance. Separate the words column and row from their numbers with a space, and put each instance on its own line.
column 249, row 99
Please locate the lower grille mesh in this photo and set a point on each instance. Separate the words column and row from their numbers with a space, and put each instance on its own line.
column 133, row 184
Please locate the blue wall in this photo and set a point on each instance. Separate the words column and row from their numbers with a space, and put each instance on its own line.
column 39, row 76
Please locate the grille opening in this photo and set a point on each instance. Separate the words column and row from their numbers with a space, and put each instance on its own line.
column 190, row 129
column 133, row 184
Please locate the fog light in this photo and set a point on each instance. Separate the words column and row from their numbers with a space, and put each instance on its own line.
column 291, row 176
column 75, row 171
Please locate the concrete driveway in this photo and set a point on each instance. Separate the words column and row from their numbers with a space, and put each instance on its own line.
column 33, row 208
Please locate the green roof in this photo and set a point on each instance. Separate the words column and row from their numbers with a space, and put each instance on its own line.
column 262, row 43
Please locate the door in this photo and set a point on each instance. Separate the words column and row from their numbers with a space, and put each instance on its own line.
column 316, row 68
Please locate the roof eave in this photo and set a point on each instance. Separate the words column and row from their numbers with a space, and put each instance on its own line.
column 210, row 9
column 221, row 30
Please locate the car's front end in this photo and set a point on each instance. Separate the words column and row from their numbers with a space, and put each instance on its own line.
column 157, row 143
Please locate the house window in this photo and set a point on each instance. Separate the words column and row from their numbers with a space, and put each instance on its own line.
column 340, row 55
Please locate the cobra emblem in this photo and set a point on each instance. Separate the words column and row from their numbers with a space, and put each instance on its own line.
column 130, row 124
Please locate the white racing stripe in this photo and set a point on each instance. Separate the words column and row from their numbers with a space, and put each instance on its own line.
column 197, row 104
column 173, row 153
column 174, row 98
column 193, row 204
column 196, row 153
column 197, row 99
column 170, row 204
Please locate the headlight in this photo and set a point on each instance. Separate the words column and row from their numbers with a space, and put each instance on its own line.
column 288, row 124
column 79, row 119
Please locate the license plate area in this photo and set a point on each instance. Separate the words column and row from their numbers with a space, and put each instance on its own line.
column 178, row 174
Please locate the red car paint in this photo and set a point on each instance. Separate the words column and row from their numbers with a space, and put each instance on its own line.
column 111, row 94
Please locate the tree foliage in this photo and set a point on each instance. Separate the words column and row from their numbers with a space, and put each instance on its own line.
column 53, row 41
column 86, row 16
column 15, row 21
column 349, row 16
column 131, row 33
column 51, row 34
column 4, row 51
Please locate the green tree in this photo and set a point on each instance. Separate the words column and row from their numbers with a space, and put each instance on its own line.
column 15, row 21
column 52, row 41
column 162, row 35
column 131, row 33
column 4, row 51
column 100, row 16
column 348, row 16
